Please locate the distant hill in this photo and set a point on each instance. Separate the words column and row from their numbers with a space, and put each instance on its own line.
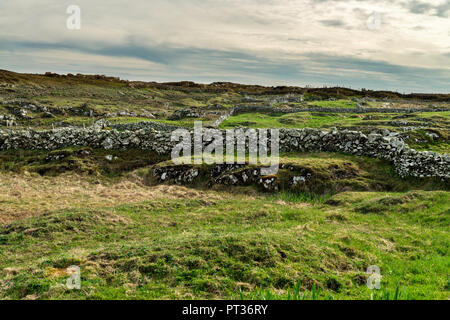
column 50, row 78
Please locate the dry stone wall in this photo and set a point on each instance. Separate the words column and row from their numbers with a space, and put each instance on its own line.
column 142, row 125
column 268, row 109
column 385, row 145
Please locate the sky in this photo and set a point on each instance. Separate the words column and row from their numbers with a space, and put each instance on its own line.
column 399, row 45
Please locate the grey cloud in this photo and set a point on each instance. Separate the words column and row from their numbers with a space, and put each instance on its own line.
column 333, row 23
column 207, row 65
column 162, row 54
column 204, row 60
column 419, row 7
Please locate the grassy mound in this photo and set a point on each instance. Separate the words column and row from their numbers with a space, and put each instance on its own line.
column 81, row 160
column 233, row 247
column 325, row 173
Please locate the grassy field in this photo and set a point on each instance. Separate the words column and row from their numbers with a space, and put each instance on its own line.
column 181, row 243
column 133, row 240
column 323, row 120
column 343, row 103
column 292, row 120
column 134, row 237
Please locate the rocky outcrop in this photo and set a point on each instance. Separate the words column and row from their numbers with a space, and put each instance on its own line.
column 183, row 114
column 222, row 174
column 21, row 108
column 6, row 120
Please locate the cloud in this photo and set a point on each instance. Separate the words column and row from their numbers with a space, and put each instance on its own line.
column 268, row 42
column 441, row 9
column 333, row 23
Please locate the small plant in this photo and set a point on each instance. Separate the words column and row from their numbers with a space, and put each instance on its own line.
column 316, row 293
column 386, row 294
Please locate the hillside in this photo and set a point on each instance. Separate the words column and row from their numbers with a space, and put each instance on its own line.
column 86, row 179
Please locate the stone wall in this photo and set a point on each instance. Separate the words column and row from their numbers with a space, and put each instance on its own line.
column 387, row 145
column 143, row 125
column 222, row 118
column 268, row 109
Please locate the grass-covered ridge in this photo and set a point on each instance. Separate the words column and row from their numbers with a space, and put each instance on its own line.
column 232, row 247
column 327, row 173
column 134, row 240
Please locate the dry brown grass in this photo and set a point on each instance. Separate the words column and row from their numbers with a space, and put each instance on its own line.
column 24, row 196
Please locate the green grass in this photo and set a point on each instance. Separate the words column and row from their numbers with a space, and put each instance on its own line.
column 442, row 115
column 420, row 140
column 322, row 119
column 301, row 197
column 293, row 120
column 116, row 120
column 334, row 104
column 81, row 160
column 133, row 239
column 108, row 97
column 329, row 173
column 437, row 123
column 315, row 293
column 200, row 248
column 295, row 293
column 318, row 294
column 188, row 122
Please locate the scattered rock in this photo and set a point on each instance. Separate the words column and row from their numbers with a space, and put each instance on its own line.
column 48, row 115
column 183, row 114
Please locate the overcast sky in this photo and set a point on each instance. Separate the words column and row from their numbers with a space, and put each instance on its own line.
column 399, row 45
